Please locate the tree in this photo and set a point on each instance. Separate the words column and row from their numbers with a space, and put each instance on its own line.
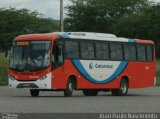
column 99, row 15
column 144, row 25
column 16, row 22
column 134, row 25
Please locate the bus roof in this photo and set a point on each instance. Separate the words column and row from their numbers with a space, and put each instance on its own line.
column 42, row 36
column 79, row 35
column 99, row 36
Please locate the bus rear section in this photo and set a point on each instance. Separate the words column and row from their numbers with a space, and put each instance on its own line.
column 90, row 62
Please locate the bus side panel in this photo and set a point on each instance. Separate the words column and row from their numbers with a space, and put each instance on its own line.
column 85, row 83
column 58, row 78
column 90, row 85
column 141, row 74
column 100, row 74
column 61, row 75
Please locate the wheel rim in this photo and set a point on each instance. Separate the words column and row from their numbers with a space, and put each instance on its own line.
column 70, row 87
column 123, row 88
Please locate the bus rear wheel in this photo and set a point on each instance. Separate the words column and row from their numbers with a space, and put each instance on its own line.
column 123, row 89
column 90, row 92
column 69, row 90
column 34, row 92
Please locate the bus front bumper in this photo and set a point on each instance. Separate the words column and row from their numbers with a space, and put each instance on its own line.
column 40, row 83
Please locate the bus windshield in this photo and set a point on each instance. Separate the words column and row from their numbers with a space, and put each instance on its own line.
column 30, row 55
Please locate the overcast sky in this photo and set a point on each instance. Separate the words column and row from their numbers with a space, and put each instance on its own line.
column 48, row 8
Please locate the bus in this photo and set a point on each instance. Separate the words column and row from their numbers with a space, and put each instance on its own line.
column 91, row 62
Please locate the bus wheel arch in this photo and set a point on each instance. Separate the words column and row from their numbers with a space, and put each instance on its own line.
column 73, row 79
column 71, row 85
column 123, row 90
column 125, row 78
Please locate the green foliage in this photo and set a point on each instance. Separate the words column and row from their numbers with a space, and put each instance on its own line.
column 3, row 69
column 144, row 25
column 15, row 22
column 99, row 15
column 125, row 18
column 134, row 25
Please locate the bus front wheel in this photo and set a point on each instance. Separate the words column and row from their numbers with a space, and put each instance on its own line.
column 34, row 92
column 69, row 90
column 123, row 89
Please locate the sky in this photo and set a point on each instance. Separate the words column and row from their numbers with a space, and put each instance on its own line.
column 48, row 8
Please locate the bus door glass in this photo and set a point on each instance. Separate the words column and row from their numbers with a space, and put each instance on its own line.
column 58, row 56
column 60, row 53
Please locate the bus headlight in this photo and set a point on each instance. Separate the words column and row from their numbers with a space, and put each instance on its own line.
column 11, row 78
column 43, row 77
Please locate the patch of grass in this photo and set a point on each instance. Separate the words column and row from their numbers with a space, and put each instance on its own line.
column 3, row 69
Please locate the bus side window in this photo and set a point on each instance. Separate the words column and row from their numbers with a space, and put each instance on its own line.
column 59, row 53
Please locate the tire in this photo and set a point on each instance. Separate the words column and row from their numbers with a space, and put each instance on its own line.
column 90, row 92
column 34, row 92
column 123, row 89
column 69, row 90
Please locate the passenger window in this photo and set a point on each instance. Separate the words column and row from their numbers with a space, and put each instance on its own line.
column 87, row 50
column 116, row 51
column 149, row 53
column 72, row 49
column 141, row 53
column 130, row 52
column 102, row 51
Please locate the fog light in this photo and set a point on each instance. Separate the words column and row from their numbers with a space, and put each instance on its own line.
column 45, row 85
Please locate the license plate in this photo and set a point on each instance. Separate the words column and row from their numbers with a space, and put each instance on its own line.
column 26, row 85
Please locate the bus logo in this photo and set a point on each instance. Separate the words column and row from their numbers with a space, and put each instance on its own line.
column 98, row 66
column 91, row 66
